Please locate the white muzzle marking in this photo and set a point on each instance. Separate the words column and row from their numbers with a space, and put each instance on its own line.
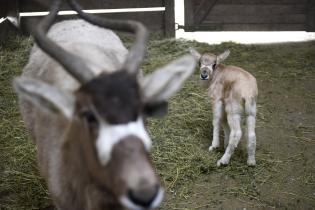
column 109, row 135
column 208, row 67
column 208, row 70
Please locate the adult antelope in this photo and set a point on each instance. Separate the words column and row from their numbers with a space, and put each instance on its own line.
column 84, row 105
column 233, row 91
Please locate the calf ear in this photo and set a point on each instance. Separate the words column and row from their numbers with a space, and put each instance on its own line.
column 223, row 56
column 194, row 53
column 166, row 81
column 44, row 96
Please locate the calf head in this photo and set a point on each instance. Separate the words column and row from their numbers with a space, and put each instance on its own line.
column 208, row 62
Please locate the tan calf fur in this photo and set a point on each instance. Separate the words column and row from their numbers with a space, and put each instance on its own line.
column 233, row 91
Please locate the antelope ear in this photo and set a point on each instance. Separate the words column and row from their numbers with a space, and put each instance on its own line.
column 194, row 53
column 44, row 96
column 223, row 56
column 166, row 81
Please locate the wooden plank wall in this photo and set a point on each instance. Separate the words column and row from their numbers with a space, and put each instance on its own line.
column 310, row 16
column 4, row 8
column 42, row 5
column 251, row 15
column 162, row 22
column 8, row 8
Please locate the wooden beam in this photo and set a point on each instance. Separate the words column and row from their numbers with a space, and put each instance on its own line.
column 246, row 27
column 169, row 18
column 266, row 2
column 42, row 5
column 152, row 20
column 9, row 8
column 4, row 8
column 243, row 19
column 158, row 21
column 189, row 12
column 310, row 16
column 259, row 9
column 203, row 10
column 7, row 29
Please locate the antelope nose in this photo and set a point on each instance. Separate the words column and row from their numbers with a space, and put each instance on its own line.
column 144, row 196
column 204, row 70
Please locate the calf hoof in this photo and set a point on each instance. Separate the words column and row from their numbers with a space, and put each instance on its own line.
column 211, row 148
column 222, row 162
column 251, row 162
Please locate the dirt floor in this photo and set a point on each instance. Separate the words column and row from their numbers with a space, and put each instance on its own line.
column 284, row 177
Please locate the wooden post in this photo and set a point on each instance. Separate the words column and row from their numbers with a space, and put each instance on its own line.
column 9, row 8
column 4, row 8
column 310, row 16
column 169, row 18
column 189, row 13
column 8, row 27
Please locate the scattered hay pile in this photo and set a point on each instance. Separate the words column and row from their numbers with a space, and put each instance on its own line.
column 284, row 177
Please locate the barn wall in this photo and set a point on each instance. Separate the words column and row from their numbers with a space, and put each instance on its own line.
column 40, row 5
column 162, row 22
column 250, row 15
column 8, row 8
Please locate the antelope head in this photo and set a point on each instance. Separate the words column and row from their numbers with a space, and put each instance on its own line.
column 105, row 115
column 208, row 62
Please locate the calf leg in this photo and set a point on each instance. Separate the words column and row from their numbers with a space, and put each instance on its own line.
column 234, row 121
column 216, row 122
column 250, row 110
column 226, row 129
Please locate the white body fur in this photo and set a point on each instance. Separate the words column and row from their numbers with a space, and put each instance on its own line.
column 47, row 100
column 99, row 48
column 233, row 91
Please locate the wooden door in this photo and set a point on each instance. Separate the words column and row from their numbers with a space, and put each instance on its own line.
column 249, row 15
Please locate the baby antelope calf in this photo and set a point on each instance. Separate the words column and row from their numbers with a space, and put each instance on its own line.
column 233, row 91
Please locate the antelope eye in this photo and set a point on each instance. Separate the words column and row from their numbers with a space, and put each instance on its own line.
column 89, row 117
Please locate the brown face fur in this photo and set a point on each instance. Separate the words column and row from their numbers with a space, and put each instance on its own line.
column 129, row 171
column 115, row 97
column 130, row 163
